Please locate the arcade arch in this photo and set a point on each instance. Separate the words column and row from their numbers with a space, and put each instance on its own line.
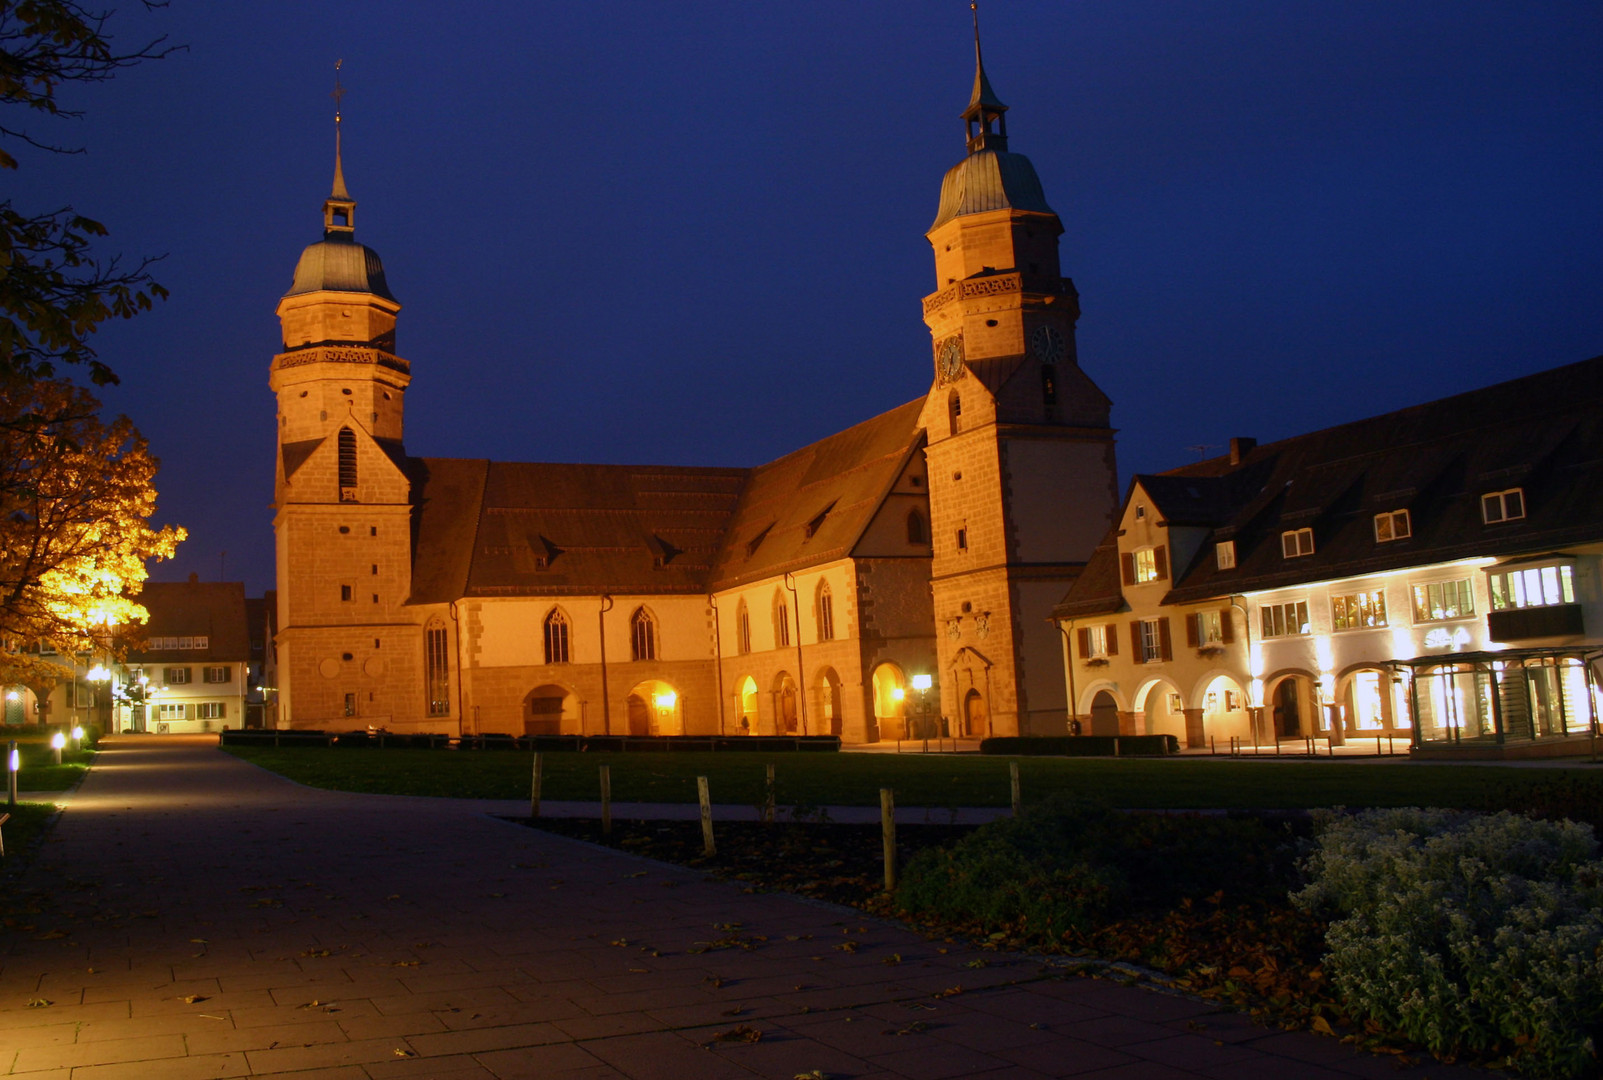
column 655, row 709
column 551, row 710
column 890, row 694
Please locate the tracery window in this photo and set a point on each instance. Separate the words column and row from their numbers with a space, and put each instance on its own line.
column 437, row 669
column 826, row 613
column 643, row 634
column 556, row 637
column 743, row 628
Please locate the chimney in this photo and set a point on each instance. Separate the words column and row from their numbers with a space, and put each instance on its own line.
column 1240, row 447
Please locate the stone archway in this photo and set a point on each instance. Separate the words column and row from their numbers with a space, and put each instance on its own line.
column 829, row 703
column 785, row 712
column 747, row 697
column 655, row 709
column 1104, row 714
column 549, row 710
column 889, row 700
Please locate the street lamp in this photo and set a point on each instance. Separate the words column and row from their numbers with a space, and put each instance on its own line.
column 922, row 684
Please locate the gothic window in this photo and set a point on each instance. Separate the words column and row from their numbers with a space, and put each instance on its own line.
column 437, row 669
column 826, row 613
column 556, row 637
column 347, row 448
column 781, row 620
column 916, row 533
column 954, row 410
column 743, row 629
column 643, row 634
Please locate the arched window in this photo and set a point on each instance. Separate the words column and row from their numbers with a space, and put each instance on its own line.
column 347, row 448
column 743, row 629
column 916, row 533
column 1049, row 384
column 643, row 634
column 437, row 668
column 556, row 637
column 825, row 613
column 954, row 411
column 781, row 620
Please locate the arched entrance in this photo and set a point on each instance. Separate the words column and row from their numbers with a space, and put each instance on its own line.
column 1368, row 703
column 1163, row 712
column 654, row 709
column 1224, row 711
column 829, row 721
column 975, row 725
column 1104, row 714
column 889, row 699
column 549, row 710
column 747, row 724
column 785, row 704
column 1291, row 708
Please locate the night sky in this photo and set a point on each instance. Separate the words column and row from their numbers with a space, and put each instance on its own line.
column 693, row 233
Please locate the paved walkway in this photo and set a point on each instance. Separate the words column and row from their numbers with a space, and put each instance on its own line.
column 200, row 918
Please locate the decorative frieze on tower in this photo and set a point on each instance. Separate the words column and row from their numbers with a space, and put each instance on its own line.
column 1021, row 464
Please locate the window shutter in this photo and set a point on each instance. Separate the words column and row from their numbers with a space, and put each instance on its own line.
column 1128, row 559
column 1112, row 636
column 1085, row 643
column 1160, row 562
column 1135, row 640
column 1227, row 630
column 1163, row 639
column 1192, row 635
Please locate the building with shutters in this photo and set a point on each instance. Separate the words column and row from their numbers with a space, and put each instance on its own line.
column 473, row 596
column 1434, row 575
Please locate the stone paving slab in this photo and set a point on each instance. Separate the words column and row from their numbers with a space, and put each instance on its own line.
column 197, row 918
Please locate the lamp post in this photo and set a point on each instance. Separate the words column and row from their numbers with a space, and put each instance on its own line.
column 58, row 742
column 922, row 684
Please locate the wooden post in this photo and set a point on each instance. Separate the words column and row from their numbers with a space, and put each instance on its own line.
column 705, row 798
column 887, row 827
column 3, row 819
column 1013, row 784
column 606, row 800
column 768, row 794
column 1115, row 746
column 534, row 788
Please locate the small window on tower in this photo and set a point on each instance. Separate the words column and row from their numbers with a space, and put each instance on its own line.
column 962, row 539
column 1049, row 384
column 347, row 447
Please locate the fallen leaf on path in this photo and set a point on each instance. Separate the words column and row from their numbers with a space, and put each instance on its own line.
column 50, row 935
column 1322, row 1026
column 812, row 1074
column 39, row 1003
column 190, row 999
column 950, row 991
column 738, row 1010
column 399, row 1052
column 743, row 1033
column 406, row 963
column 316, row 952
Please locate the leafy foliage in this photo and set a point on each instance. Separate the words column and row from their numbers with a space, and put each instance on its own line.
column 1470, row 933
column 54, row 291
column 75, row 496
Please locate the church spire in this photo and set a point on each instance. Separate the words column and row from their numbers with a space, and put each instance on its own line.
column 339, row 209
column 985, row 117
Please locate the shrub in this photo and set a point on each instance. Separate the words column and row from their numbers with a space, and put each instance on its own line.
column 1469, row 933
column 1069, row 865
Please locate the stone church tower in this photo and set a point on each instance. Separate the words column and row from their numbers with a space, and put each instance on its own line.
column 1022, row 478
column 342, row 495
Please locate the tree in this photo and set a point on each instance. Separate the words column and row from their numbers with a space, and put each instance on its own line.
column 75, row 499
column 54, row 291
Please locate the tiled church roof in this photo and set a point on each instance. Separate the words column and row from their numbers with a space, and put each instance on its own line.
column 521, row 529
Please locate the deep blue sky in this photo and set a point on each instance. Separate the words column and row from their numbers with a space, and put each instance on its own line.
column 692, row 233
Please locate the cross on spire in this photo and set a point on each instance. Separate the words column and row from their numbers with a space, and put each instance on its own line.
column 984, row 119
column 339, row 209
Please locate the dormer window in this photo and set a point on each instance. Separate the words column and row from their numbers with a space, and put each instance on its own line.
column 1497, row 506
column 1224, row 555
column 1295, row 543
column 818, row 521
column 1392, row 525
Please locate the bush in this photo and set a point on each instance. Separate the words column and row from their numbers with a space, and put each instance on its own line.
column 1068, row 865
column 1081, row 745
column 1469, row 933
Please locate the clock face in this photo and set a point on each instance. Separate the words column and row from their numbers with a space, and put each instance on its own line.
column 949, row 359
column 1047, row 345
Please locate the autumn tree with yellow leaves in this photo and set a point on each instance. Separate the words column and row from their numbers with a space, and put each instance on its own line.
column 76, row 496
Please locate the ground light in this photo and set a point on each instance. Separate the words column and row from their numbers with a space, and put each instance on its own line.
column 13, row 763
column 58, row 742
column 77, row 736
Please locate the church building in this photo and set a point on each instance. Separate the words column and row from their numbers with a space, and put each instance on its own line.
column 801, row 596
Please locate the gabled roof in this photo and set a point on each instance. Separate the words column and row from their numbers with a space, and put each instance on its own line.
column 193, row 608
column 812, row 506
column 1542, row 433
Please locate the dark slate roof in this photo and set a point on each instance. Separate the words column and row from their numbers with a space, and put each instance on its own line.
column 1542, row 433
column 845, row 478
column 215, row 609
column 990, row 180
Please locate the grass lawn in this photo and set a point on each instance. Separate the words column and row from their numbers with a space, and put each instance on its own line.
column 939, row 781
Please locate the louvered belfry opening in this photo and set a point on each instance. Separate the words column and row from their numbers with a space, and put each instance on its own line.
column 347, row 465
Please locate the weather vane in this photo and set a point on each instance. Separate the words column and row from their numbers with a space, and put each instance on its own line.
column 339, row 91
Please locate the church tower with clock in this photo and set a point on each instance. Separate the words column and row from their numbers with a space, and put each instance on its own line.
column 1022, row 478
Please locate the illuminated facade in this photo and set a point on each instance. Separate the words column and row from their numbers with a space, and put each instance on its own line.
column 1431, row 574
column 804, row 595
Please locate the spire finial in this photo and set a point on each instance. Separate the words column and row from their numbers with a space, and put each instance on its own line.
column 339, row 169
column 987, row 128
